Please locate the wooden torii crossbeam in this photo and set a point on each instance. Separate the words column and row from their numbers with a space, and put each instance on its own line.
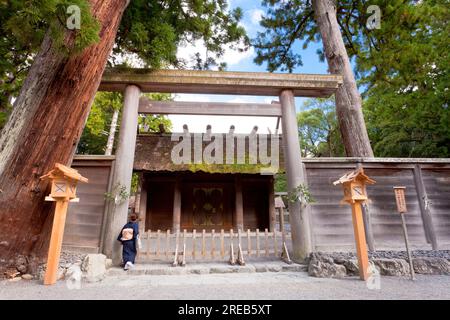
column 147, row 106
column 221, row 82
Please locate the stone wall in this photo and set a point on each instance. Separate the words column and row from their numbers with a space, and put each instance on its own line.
column 339, row 265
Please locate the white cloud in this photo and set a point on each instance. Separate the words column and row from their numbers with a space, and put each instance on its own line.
column 238, row 100
column 230, row 57
column 131, row 59
column 234, row 57
column 191, row 97
column 230, row 4
column 221, row 124
column 250, row 99
column 187, row 51
column 256, row 16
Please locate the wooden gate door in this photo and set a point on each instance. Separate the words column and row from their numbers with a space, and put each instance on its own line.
column 207, row 206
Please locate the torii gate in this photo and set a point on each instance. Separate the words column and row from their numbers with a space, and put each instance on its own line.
column 286, row 86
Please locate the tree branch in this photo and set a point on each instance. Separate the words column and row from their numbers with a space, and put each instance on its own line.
column 349, row 40
column 300, row 27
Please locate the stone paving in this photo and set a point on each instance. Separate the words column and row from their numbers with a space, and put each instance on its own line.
column 231, row 286
column 257, row 280
column 207, row 268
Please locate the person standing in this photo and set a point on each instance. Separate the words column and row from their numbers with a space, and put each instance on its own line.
column 129, row 238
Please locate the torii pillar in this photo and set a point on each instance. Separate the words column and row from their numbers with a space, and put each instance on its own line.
column 123, row 171
column 298, row 213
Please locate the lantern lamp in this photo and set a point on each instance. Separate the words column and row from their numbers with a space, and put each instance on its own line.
column 64, row 183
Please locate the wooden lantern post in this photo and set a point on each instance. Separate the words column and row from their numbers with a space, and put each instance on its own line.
column 279, row 205
column 64, row 184
column 354, row 184
column 401, row 208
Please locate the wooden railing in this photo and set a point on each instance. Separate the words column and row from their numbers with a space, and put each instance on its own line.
column 210, row 246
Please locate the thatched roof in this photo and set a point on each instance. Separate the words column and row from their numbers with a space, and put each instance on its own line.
column 153, row 153
column 357, row 174
column 62, row 171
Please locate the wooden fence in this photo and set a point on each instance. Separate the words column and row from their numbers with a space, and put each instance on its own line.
column 85, row 223
column 427, row 183
column 210, row 246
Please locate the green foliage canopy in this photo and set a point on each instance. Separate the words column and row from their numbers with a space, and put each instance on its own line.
column 319, row 129
column 150, row 32
column 407, row 78
column 95, row 134
column 153, row 30
column 402, row 68
column 23, row 25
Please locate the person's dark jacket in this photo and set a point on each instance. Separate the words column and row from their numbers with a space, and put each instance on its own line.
column 132, row 225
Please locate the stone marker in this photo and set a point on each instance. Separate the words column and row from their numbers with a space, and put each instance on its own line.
column 94, row 266
column 434, row 266
column 392, row 267
column 322, row 266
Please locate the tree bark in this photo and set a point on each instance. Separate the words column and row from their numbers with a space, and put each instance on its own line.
column 44, row 128
column 112, row 133
column 348, row 100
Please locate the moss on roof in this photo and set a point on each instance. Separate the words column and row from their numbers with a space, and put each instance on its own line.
column 153, row 153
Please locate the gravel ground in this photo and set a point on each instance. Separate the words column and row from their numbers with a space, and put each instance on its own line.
column 267, row 286
column 397, row 254
column 69, row 257
column 66, row 259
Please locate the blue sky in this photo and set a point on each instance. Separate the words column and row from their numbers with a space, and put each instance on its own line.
column 252, row 10
column 244, row 62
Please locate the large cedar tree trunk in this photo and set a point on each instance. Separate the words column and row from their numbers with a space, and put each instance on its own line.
column 348, row 100
column 44, row 128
